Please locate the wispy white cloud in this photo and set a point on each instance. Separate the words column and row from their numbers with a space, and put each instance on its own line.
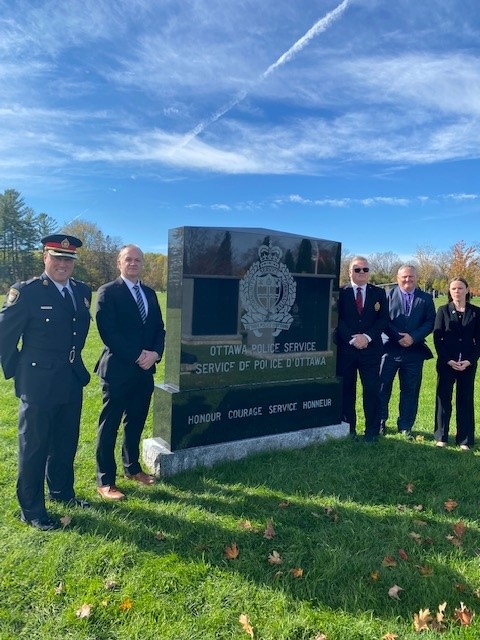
column 320, row 26
column 121, row 83
column 462, row 197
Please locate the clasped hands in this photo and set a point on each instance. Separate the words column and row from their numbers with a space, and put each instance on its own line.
column 147, row 359
column 359, row 341
column 459, row 365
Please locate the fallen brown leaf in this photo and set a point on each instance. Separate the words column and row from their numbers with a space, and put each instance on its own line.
column 418, row 507
column 463, row 615
column 320, row 636
column 424, row 570
column 65, row 521
column 297, row 572
column 246, row 626
column 415, row 536
column 374, row 576
column 422, row 619
column 389, row 561
column 440, row 615
column 459, row 529
column 59, row 589
column 231, row 552
column 394, row 591
column 459, row 586
column 246, row 525
column 269, row 532
column 110, row 585
column 403, row 554
column 409, row 488
column 390, row 636
column 283, row 504
column 160, row 536
column 450, row 505
column 454, row 540
column 85, row 611
column 420, row 523
column 126, row 605
column 274, row 558
column 332, row 514
column 401, row 507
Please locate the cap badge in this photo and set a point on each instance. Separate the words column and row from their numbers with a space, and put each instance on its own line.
column 65, row 243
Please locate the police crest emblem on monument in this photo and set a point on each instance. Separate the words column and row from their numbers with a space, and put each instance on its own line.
column 267, row 292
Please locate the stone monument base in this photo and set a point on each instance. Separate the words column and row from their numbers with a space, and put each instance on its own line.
column 162, row 462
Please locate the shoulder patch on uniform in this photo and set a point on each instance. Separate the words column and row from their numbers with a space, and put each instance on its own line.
column 12, row 296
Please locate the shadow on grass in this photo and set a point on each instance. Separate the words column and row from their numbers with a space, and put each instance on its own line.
column 338, row 510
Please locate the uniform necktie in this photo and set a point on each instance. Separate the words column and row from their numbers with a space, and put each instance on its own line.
column 140, row 303
column 359, row 300
column 69, row 300
column 408, row 303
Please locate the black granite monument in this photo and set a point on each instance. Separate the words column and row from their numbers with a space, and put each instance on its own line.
column 249, row 350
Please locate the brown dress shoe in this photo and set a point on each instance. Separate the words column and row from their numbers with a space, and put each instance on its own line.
column 141, row 477
column 110, row 492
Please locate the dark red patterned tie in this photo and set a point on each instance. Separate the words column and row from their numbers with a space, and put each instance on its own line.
column 359, row 300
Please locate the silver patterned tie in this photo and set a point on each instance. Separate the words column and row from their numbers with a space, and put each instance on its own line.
column 140, row 303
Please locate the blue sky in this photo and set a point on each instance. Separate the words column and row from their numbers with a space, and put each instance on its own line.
column 355, row 121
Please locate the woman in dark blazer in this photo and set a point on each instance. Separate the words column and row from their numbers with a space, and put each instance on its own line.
column 456, row 336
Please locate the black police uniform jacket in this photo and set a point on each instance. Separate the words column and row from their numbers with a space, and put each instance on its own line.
column 48, row 360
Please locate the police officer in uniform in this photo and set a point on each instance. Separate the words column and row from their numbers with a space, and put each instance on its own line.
column 50, row 316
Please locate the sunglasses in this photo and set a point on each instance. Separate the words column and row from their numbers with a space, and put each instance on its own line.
column 360, row 269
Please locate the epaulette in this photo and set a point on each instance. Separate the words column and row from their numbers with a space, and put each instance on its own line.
column 13, row 293
column 74, row 282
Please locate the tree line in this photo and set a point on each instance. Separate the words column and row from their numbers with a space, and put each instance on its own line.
column 21, row 230
column 434, row 268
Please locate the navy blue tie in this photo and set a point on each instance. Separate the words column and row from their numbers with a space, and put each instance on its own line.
column 69, row 300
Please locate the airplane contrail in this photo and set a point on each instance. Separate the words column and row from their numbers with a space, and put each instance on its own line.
column 320, row 26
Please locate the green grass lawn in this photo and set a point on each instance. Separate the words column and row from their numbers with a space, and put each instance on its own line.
column 347, row 521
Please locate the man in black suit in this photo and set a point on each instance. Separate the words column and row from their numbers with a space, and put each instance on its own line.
column 362, row 316
column 130, row 324
column 50, row 316
column 412, row 316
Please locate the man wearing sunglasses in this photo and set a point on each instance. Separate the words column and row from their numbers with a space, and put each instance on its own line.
column 362, row 317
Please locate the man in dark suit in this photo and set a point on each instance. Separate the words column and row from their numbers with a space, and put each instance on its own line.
column 50, row 316
column 412, row 316
column 362, row 316
column 130, row 324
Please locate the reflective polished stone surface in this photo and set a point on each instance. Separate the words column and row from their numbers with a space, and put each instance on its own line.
column 248, row 311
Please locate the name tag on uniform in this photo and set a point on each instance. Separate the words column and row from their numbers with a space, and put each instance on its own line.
column 46, row 307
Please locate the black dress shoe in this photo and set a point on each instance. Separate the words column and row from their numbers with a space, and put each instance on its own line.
column 407, row 434
column 42, row 524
